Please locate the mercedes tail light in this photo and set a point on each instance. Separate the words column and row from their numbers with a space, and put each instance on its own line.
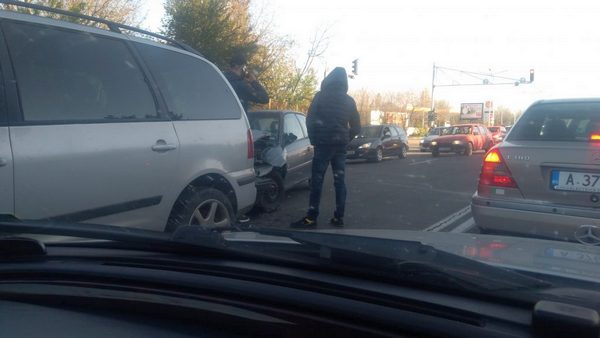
column 495, row 172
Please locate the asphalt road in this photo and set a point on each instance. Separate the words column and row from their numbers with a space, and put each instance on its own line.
column 416, row 193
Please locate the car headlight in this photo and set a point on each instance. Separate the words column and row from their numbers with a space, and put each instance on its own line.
column 456, row 142
column 433, row 143
column 421, row 142
column 364, row 146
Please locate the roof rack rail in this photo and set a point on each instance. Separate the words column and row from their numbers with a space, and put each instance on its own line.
column 112, row 26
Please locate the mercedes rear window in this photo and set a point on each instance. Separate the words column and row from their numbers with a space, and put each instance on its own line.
column 558, row 122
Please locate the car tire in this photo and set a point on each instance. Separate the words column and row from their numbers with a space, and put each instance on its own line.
column 435, row 153
column 270, row 200
column 201, row 206
column 378, row 155
column 403, row 152
column 469, row 149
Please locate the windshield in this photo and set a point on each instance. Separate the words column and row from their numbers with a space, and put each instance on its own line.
column 460, row 130
column 141, row 132
column 436, row 131
column 265, row 123
column 370, row 132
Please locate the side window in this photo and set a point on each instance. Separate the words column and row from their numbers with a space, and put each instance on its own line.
column 386, row 131
column 193, row 89
column 291, row 128
column 74, row 76
column 302, row 120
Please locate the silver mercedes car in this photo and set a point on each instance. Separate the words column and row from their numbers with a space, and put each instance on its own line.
column 544, row 179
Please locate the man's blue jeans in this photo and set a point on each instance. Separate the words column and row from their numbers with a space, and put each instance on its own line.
column 325, row 154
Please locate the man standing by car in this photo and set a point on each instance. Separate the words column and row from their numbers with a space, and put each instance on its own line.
column 329, row 115
column 244, row 82
column 247, row 88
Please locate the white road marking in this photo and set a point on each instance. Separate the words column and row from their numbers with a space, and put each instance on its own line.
column 421, row 162
column 446, row 222
column 465, row 226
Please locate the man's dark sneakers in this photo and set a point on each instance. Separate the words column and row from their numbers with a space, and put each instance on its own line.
column 337, row 222
column 305, row 222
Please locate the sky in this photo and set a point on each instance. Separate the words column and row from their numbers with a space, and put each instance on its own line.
column 398, row 42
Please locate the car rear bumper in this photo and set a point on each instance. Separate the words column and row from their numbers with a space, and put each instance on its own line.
column 529, row 219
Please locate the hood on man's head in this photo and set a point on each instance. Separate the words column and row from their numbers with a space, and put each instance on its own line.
column 336, row 80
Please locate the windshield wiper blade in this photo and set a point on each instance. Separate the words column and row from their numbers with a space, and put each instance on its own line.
column 413, row 259
column 375, row 256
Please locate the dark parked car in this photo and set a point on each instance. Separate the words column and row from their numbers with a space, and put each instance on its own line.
column 376, row 142
column 287, row 130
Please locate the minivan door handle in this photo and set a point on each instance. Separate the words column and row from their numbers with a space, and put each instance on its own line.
column 3, row 162
column 161, row 146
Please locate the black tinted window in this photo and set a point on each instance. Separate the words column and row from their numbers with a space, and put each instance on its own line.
column 558, row 122
column 65, row 76
column 291, row 126
column 193, row 89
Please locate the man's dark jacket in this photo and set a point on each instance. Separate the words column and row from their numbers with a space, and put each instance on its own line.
column 246, row 91
column 331, row 112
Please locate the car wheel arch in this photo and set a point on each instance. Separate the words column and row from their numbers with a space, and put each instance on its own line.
column 211, row 180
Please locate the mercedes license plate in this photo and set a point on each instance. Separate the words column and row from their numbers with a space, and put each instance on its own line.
column 573, row 255
column 575, row 181
column 350, row 152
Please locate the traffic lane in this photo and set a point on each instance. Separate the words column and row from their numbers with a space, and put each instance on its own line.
column 409, row 194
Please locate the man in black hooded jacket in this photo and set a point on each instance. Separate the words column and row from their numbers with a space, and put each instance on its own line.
column 332, row 122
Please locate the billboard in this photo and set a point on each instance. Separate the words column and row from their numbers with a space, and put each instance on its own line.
column 471, row 111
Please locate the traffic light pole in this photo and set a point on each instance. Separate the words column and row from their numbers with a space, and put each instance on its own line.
column 486, row 82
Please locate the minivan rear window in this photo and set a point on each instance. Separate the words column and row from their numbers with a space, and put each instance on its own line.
column 193, row 89
column 558, row 122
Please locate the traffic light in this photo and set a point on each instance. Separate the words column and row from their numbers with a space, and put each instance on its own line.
column 531, row 75
column 355, row 67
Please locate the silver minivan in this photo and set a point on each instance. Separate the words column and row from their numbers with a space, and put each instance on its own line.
column 105, row 127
